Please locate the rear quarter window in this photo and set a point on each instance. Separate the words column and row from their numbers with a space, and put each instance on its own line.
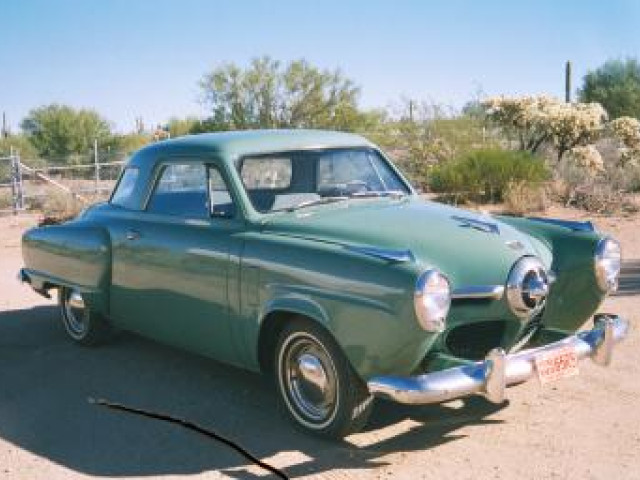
column 123, row 194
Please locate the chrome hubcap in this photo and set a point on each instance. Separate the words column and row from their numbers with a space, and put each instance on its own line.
column 75, row 313
column 310, row 379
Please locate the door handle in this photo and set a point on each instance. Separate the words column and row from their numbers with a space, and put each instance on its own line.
column 132, row 235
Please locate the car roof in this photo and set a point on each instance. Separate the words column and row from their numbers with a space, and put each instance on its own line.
column 250, row 142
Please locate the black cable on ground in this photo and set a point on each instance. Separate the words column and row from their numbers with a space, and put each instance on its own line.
column 196, row 428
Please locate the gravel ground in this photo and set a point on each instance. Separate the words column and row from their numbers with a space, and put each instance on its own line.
column 585, row 427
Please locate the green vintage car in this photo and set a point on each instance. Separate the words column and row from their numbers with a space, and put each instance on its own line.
column 307, row 255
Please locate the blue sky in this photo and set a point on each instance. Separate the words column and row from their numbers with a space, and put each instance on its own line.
column 129, row 58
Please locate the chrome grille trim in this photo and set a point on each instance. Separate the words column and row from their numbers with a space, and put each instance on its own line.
column 491, row 292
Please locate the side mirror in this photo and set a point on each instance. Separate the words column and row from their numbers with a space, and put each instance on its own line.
column 223, row 211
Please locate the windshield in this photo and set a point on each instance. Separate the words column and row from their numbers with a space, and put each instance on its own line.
column 292, row 180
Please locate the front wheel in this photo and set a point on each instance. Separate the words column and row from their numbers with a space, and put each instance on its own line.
column 83, row 325
column 318, row 387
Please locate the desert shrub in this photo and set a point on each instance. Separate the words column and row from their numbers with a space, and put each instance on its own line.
column 430, row 135
column 484, row 175
column 599, row 185
column 6, row 198
column 521, row 198
column 57, row 206
column 625, row 178
column 601, row 198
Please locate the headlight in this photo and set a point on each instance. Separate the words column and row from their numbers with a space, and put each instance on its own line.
column 607, row 264
column 432, row 300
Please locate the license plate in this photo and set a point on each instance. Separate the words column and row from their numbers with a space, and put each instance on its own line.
column 555, row 365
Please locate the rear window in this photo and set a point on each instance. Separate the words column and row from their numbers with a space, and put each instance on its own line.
column 123, row 194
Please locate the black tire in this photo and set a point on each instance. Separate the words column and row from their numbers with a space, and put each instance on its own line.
column 83, row 325
column 318, row 388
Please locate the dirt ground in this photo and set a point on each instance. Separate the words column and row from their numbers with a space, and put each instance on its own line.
column 585, row 427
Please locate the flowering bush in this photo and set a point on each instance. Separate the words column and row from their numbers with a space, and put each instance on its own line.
column 537, row 120
column 630, row 157
column 588, row 157
column 627, row 131
column 522, row 116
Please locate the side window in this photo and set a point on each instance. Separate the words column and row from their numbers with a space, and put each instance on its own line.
column 181, row 190
column 123, row 194
column 266, row 173
column 220, row 200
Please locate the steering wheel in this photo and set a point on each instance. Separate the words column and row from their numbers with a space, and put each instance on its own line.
column 356, row 186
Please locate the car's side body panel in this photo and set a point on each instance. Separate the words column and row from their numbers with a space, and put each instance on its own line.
column 171, row 282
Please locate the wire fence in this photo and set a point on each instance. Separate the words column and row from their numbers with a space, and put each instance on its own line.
column 29, row 184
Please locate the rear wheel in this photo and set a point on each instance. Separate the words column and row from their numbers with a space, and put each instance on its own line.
column 318, row 387
column 83, row 325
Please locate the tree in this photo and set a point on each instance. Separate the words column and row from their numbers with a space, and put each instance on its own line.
column 616, row 86
column 270, row 95
column 19, row 144
column 60, row 131
column 127, row 143
column 178, row 127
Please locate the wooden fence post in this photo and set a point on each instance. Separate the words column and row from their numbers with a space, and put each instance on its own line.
column 97, row 166
column 14, row 181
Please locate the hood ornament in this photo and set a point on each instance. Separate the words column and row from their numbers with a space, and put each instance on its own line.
column 514, row 244
column 468, row 222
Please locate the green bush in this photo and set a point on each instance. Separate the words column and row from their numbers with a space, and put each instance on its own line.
column 484, row 175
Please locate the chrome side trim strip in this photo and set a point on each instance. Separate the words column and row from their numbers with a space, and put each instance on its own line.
column 493, row 292
column 498, row 371
column 384, row 253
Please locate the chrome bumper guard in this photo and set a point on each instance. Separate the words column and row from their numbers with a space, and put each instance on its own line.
column 498, row 370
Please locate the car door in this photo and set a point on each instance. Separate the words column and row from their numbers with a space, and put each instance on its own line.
column 170, row 278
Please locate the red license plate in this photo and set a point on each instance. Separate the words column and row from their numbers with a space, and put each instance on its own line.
column 555, row 365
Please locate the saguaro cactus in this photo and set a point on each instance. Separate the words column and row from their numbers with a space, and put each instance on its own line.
column 567, row 82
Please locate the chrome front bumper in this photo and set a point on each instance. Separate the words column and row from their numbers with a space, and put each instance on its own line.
column 498, row 370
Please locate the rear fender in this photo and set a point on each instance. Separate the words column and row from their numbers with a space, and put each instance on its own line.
column 75, row 255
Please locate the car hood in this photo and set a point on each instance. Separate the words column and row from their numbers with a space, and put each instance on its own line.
column 470, row 248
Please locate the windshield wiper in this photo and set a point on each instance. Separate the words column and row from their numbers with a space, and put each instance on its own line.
column 376, row 194
column 341, row 198
column 317, row 201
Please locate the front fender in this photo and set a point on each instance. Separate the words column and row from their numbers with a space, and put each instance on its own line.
column 575, row 296
column 298, row 305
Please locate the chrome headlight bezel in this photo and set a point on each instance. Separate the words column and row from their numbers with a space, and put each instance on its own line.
column 607, row 264
column 432, row 300
column 527, row 287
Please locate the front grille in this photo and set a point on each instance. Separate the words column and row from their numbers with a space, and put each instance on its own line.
column 475, row 340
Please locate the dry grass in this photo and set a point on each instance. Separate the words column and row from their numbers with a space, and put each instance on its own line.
column 6, row 199
column 57, row 207
column 522, row 198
